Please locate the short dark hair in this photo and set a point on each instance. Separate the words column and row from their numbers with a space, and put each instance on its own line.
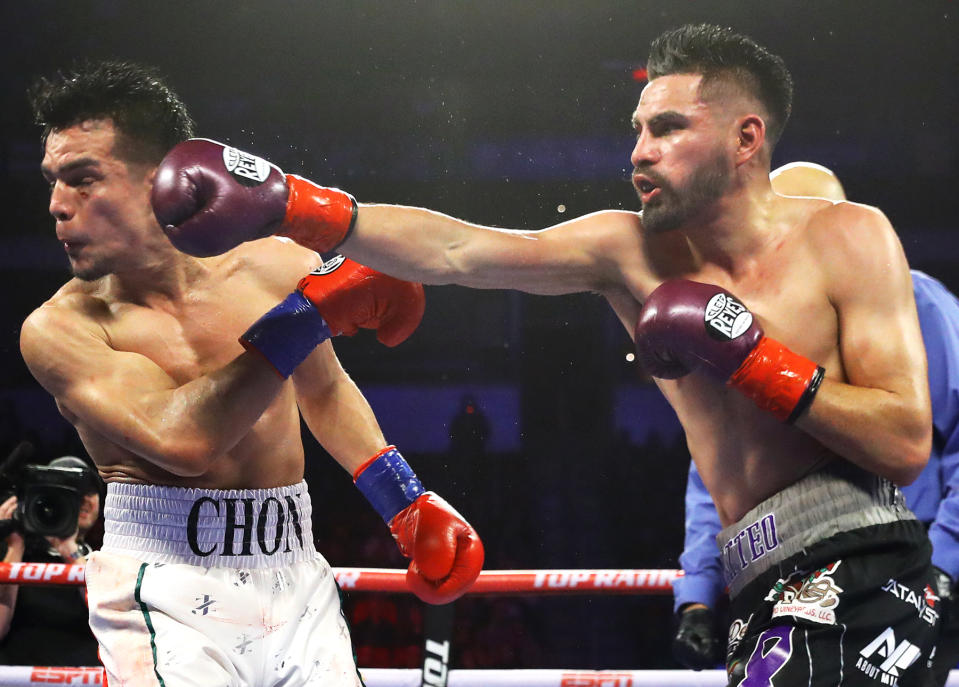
column 147, row 114
column 720, row 53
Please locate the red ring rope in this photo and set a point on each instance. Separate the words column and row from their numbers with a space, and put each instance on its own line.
column 388, row 580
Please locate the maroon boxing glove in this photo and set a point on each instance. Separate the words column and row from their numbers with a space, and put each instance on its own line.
column 685, row 326
column 209, row 198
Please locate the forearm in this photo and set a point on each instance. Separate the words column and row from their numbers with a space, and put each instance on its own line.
column 182, row 429
column 340, row 418
column 421, row 245
column 881, row 431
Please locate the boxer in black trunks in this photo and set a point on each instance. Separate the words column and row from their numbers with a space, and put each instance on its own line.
column 783, row 332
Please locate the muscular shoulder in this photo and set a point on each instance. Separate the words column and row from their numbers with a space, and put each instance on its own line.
column 68, row 321
column 844, row 231
column 855, row 242
column 275, row 262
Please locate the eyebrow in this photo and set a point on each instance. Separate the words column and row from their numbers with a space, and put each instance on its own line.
column 670, row 116
column 662, row 117
column 70, row 166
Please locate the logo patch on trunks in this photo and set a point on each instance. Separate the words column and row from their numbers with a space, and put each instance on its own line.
column 883, row 657
column 726, row 318
column 737, row 633
column 924, row 601
column 247, row 169
column 814, row 598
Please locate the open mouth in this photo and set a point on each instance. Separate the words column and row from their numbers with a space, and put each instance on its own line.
column 647, row 189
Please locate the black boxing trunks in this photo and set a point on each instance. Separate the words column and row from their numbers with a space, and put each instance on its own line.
column 215, row 587
column 830, row 584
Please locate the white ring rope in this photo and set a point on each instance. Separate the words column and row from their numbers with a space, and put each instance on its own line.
column 18, row 676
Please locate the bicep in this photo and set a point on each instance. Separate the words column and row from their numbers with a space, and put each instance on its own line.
column 879, row 336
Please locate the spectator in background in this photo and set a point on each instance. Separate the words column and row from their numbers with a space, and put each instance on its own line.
column 48, row 625
column 933, row 497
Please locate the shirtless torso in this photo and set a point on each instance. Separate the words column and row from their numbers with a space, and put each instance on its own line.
column 162, row 342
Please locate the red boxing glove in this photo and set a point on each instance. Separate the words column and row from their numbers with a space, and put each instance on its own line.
column 210, row 198
column 349, row 295
column 446, row 552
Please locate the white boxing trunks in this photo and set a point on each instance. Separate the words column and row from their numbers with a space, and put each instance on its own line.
column 215, row 588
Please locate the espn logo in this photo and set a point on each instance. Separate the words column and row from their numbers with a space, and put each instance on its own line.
column 596, row 680
column 66, row 676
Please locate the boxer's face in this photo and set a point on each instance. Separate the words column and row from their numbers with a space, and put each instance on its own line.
column 680, row 163
column 101, row 203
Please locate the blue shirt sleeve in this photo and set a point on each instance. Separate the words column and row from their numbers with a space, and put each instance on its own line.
column 703, row 581
column 937, row 490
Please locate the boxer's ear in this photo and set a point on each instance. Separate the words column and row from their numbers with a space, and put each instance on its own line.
column 751, row 136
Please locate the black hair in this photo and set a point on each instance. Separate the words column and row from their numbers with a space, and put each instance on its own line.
column 720, row 54
column 147, row 114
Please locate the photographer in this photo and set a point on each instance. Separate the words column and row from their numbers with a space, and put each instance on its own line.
column 48, row 625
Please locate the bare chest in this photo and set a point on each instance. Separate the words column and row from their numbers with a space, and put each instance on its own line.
column 189, row 338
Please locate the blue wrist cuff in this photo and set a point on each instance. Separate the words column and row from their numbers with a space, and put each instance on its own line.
column 288, row 333
column 389, row 484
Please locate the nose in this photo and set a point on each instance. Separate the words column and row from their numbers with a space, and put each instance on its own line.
column 645, row 152
column 61, row 204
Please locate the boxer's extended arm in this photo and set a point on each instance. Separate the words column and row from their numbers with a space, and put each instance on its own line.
column 427, row 246
column 131, row 401
column 209, row 198
column 880, row 418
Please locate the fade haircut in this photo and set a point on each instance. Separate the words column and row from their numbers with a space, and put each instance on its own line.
column 148, row 116
column 724, row 57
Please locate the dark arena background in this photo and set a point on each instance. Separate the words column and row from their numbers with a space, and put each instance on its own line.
column 525, row 412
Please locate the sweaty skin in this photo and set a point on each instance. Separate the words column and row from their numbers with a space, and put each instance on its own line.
column 142, row 357
column 829, row 280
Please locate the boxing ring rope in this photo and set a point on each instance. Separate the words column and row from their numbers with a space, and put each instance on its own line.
column 490, row 582
column 15, row 676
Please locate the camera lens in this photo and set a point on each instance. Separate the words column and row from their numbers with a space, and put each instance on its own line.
column 47, row 512
column 50, row 510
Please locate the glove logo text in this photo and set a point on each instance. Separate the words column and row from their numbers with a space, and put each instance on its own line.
column 329, row 266
column 726, row 318
column 247, row 169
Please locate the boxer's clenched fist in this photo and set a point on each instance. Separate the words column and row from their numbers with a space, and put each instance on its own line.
column 686, row 325
column 210, row 197
column 445, row 551
column 338, row 298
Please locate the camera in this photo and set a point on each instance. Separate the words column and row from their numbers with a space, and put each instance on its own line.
column 48, row 496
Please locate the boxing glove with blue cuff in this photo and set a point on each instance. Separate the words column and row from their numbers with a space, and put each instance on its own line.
column 338, row 298
column 446, row 552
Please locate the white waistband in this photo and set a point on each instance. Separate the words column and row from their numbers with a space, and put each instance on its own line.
column 212, row 528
